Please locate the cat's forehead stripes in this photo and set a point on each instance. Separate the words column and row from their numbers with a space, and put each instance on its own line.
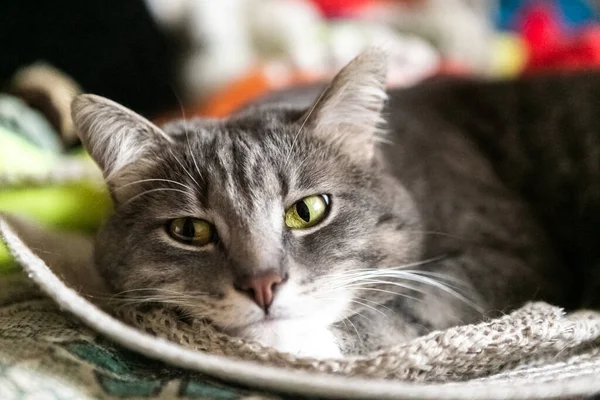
column 247, row 165
column 238, row 173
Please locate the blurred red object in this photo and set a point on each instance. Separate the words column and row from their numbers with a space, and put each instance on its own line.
column 255, row 83
column 350, row 8
column 341, row 8
column 246, row 89
column 551, row 46
column 259, row 81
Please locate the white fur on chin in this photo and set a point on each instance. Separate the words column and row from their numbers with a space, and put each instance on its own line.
column 300, row 337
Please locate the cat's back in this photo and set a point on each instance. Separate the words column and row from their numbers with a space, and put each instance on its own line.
column 536, row 139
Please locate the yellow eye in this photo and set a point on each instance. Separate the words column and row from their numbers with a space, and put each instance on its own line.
column 192, row 231
column 307, row 212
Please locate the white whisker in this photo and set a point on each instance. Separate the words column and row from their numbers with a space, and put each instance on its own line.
column 152, row 180
column 151, row 191
column 187, row 138
column 355, row 330
column 189, row 294
column 428, row 281
column 362, row 304
column 308, row 115
column 185, row 170
column 377, row 304
column 354, row 312
column 391, row 292
column 408, row 265
column 369, row 306
column 437, row 233
column 365, row 278
column 370, row 281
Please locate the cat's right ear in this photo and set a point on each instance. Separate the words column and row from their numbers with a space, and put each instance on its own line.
column 348, row 114
column 112, row 134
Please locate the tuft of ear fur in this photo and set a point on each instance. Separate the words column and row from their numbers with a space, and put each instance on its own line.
column 348, row 112
column 112, row 134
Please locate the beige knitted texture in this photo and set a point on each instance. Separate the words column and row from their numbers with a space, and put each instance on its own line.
column 534, row 334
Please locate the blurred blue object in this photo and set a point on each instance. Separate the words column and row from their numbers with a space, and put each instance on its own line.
column 574, row 13
column 17, row 117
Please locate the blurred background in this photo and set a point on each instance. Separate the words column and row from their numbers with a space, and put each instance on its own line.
column 174, row 58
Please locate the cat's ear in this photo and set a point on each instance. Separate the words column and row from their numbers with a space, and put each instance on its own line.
column 348, row 112
column 112, row 134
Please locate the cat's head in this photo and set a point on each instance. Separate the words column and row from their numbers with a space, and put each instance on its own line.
column 270, row 214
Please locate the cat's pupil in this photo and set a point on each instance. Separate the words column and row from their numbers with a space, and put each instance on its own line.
column 188, row 230
column 303, row 211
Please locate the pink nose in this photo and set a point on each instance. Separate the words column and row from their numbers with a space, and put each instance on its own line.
column 261, row 288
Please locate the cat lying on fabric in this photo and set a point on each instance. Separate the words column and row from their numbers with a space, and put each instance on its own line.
column 354, row 223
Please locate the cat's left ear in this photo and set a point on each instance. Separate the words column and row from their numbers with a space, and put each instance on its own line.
column 112, row 134
column 349, row 112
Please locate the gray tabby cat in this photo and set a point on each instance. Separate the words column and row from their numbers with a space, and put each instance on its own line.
column 308, row 228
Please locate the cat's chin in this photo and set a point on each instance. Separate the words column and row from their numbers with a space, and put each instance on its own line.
column 300, row 337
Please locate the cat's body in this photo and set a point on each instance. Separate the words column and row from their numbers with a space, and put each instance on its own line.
column 482, row 199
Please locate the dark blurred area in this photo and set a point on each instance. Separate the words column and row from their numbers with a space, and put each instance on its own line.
column 168, row 59
column 156, row 56
column 113, row 48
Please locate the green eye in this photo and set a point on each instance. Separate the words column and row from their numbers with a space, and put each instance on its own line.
column 192, row 231
column 307, row 212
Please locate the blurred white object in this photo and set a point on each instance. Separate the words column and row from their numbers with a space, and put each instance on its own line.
column 288, row 28
column 462, row 30
column 411, row 58
column 219, row 46
column 229, row 37
column 169, row 13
